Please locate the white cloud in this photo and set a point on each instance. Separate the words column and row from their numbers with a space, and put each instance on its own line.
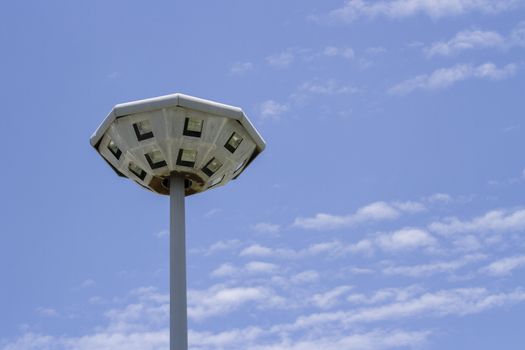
column 504, row 266
column 241, row 67
column 294, row 55
column 330, row 87
column 405, row 239
column 375, row 340
column 260, row 267
column 457, row 302
column 360, row 270
column 223, row 340
column 445, row 77
column 517, row 37
column 440, row 197
column 102, row 341
column 410, row 207
column 425, row 270
column 376, row 50
column 212, row 212
column 251, row 338
column 477, row 39
column 220, row 300
column 46, row 312
column 467, row 243
column 142, row 324
column 344, row 52
column 266, row 227
column 466, row 40
column 250, row 268
column 218, row 247
column 225, row 270
column 88, row 283
column 396, row 9
column 495, row 221
column 271, row 109
column 332, row 248
column 308, row 276
column 257, row 250
column 385, row 294
column 281, row 60
column 162, row 233
column 400, row 240
column 330, row 298
column 377, row 211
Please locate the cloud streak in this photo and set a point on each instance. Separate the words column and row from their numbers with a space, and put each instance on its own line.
column 445, row 77
column 477, row 39
column 353, row 10
column 497, row 221
column 377, row 211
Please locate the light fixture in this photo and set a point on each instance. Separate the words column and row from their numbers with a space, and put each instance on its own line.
column 114, row 149
column 233, row 142
column 138, row 171
column 155, row 159
column 193, row 127
column 212, row 167
column 143, row 130
column 216, row 181
column 187, row 158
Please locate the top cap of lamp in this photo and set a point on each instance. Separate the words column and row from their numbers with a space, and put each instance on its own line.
column 209, row 143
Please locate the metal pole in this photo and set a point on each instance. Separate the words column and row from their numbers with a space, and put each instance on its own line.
column 178, row 305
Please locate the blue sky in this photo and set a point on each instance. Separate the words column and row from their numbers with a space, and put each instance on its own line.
column 387, row 211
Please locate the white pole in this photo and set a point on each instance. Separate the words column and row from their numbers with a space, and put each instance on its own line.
column 178, row 304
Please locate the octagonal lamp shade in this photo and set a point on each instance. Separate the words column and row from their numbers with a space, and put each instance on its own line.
column 208, row 143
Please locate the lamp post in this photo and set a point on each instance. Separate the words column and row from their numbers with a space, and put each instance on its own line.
column 177, row 145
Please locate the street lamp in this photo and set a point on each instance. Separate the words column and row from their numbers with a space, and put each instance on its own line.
column 177, row 145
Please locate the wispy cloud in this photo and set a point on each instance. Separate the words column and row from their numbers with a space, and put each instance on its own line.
column 466, row 40
column 377, row 211
column 266, row 227
column 425, row 270
column 308, row 276
column 46, row 312
column 329, row 87
column 458, row 302
column 162, row 233
column 220, row 246
column 293, row 55
column 385, row 295
column 332, row 248
column 405, row 239
column 505, row 266
column 498, row 221
column 220, row 299
column 272, row 110
column 397, row 9
column 282, row 59
column 251, row 268
column 254, row 339
column 241, row 67
column 477, row 39
column 330, row 298
column 212, row 212
column 439, row 197
column 334, row 51
column 446, row 77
